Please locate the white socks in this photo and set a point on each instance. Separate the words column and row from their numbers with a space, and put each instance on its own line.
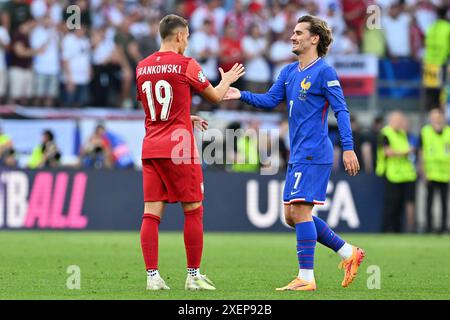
column 194, row 272
column 152, row 273
column 346, row 251
column 306, row 274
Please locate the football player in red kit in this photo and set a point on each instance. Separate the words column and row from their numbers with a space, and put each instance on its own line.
column 170, row 163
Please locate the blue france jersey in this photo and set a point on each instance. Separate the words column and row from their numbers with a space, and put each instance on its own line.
column 308, row 93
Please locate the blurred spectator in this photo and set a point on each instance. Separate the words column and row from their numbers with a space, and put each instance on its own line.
column 417, row 39
column 46, row 154
column 258, row 15
column 106, row 149
column 114, row 12
column 110, row 68
column 211, row 10
column 347, row 44
column 373, row 42
column 20, row 72
column 395, row 165
column 4, row 45
column 97, row 151
column 334, row 18
column 246, row 157
column 355, row 15
column 435, row 163
column 51, row 8
column 7, row 152
column 361, row 146
column 396, row 26
column 239, row 18
column 149, row 44
column 204, row 47
column 126, row 42
column 230, row 52
column 437, row 52
column 14, row 13
column 257, row 69
column 76, row 56
column 280, row 53
column 372, row 137
column 278, row 22
column 425, row 13
column 46, row 64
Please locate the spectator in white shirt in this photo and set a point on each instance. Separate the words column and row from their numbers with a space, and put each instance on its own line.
column 204, row 47
column 41, row 8
column 257, row 69
column 347, row 43
column 212, row 11
column 281, row 53
column 46, row 65
column 396, row 25
column 76, row 56
column 4, row 43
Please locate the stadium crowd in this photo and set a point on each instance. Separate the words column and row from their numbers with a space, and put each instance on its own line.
column 47, row 59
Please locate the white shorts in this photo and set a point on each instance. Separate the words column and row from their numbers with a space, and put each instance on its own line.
column 20, row 83
column 46, row 85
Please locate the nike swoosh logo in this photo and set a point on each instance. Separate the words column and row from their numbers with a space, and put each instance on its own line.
column 286, row 82
column 295, row 192
column 300, row 251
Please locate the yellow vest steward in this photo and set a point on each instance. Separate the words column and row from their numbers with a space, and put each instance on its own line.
column 398, row 169
column 247, row 149
column 436, row 154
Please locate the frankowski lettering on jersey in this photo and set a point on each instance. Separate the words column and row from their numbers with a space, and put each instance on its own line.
column 164, row 68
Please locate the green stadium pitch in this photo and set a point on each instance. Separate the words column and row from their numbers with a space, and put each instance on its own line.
column 244, row 266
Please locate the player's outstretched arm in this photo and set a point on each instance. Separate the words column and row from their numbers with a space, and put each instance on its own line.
column 216, row 94
column 269, row 100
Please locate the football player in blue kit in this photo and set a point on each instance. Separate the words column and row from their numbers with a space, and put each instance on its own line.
column 309, row 87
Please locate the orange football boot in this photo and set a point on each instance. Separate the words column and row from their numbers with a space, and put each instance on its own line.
column 351, row 265
column 299, row 285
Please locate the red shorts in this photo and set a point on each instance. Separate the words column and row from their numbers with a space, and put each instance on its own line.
column 163, row 180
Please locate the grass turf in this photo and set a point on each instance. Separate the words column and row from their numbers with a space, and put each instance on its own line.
column 33, row 265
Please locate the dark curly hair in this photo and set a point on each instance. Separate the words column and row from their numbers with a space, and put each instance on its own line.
column 320, row 28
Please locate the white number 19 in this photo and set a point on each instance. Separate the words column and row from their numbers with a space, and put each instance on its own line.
column 165, row 101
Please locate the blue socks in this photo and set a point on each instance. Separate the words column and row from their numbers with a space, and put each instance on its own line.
column 306, row 244
column 326, row 236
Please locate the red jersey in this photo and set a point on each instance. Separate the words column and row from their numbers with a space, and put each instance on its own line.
column 165, row 81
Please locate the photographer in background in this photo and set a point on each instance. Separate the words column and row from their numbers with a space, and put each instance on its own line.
column 46, row 154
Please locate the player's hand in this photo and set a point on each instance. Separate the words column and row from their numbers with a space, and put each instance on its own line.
column 199, row 123
column 233, row 74
column 232, row 94
column 351, row 163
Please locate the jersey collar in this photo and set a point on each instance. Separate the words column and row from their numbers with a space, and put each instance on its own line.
column 309, row 65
